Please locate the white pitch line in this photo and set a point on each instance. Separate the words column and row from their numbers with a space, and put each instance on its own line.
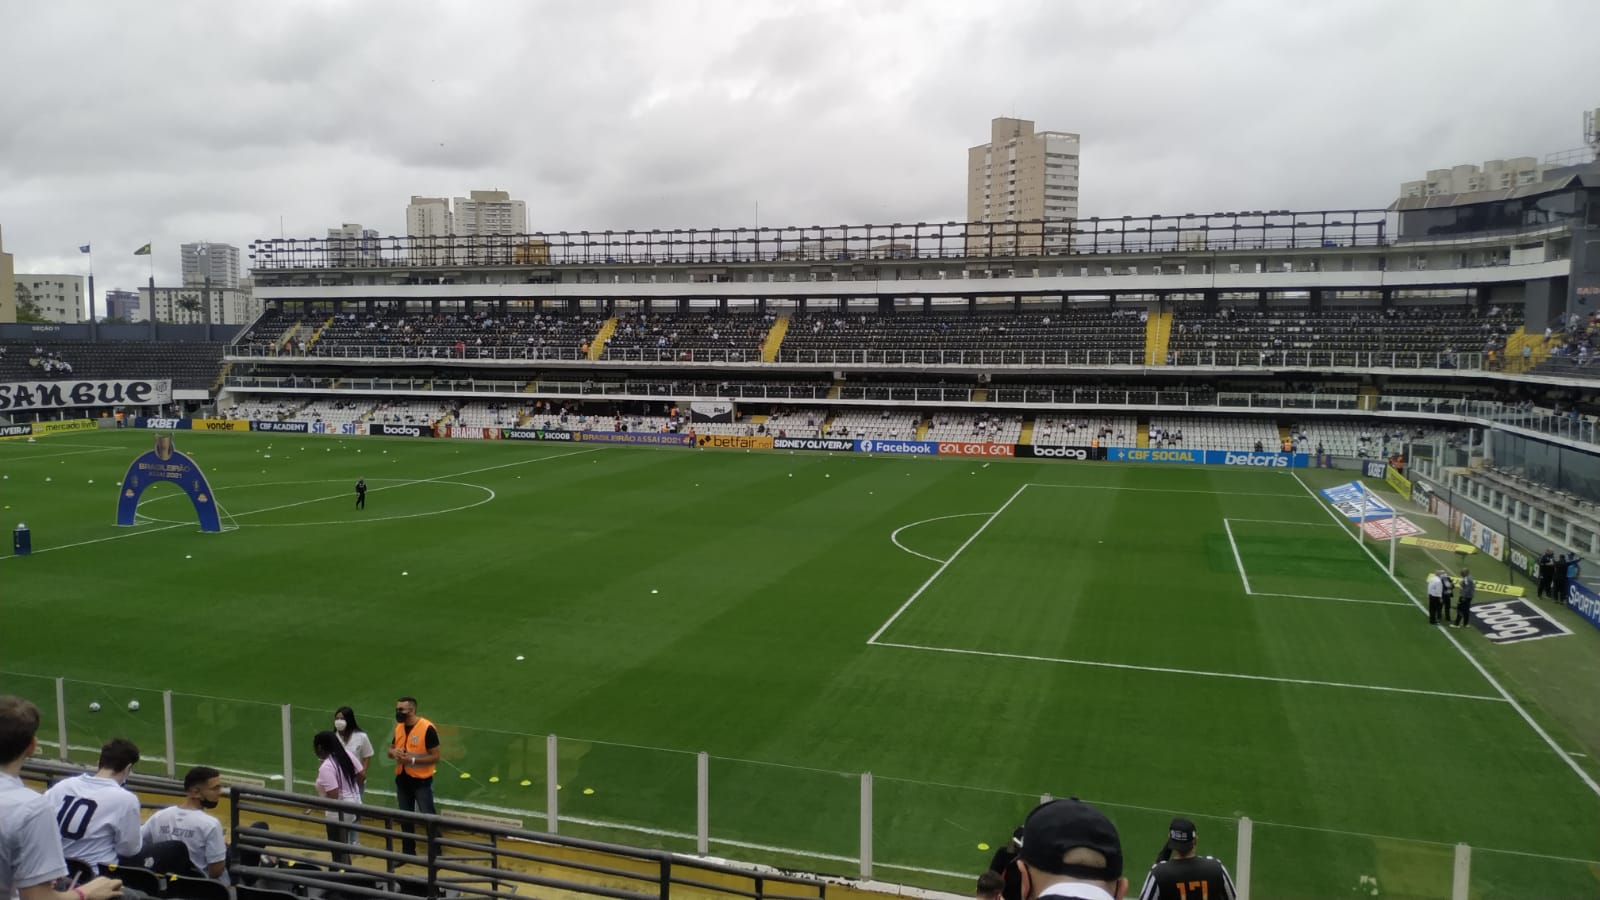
column 1142, row 490
column 894, row 536
column 1283, row 522
column 8, row 458
column 1236, row 560
column 1504, row 694
column 1339, row 599
column 946, row 564
column 118, row 537
column 1099, row 664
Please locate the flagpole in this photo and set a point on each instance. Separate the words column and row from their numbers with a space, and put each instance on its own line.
column 1361, row 527
column 1394, row 537
column 92, row 327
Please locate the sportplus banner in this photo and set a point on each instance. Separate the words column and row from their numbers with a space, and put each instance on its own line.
column 983, row 448
column 1584, row 602
column 1483, row 537
column 536, row 434
column 1513, row 621
column 643, row 438
column 291, row 427
column 400, row 430
column 165, row 463
column 68, row 394
column 912, row 448
column 734, row 442
column 1045, row 451
column 1351, row 498
column 160, row 423
column 15, row 431
column 836, row 445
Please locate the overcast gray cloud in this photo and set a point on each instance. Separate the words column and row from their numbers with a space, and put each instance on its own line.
column 122, row 123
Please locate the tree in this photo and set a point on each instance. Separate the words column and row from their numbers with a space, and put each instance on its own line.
column 27, row 309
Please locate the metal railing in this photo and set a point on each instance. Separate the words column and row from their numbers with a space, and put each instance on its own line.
column 1094, row 358
column 766, row 814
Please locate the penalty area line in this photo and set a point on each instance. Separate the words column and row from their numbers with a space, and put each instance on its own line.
column 1166, row 670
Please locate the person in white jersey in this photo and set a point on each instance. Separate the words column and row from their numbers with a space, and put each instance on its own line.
column 189, row 822
column 355, row 742
column 98, row 817
column 30, row 847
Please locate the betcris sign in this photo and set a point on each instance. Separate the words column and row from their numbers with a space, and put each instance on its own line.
column 1258, row 460
column 913, row 448
column 400, row 430
column 292, row 427
column 1135, row 454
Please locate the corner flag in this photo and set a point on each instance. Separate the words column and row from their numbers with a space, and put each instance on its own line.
column 142, row 251
column 84, row 249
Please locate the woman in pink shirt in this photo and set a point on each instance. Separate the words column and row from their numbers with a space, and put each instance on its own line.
column 337, row 780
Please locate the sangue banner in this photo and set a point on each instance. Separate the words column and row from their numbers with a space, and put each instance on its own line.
column 914, row 448
column 1045, row 451
column 400, row 430
column 836, row 445
column 292, row 427
column 67, row 394
column 957, row 448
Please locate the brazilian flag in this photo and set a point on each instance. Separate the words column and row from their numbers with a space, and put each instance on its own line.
column 142, row 251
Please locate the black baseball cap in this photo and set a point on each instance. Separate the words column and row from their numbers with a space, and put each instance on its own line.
column 1055, row 828
column 1181, row 835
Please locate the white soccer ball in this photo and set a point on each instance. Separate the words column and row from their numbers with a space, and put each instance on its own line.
column 133, row 706
column 95, row 706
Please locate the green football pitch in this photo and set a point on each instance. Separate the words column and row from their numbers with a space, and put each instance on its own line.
column 1199, row 641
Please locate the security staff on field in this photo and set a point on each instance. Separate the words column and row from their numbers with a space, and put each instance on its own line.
column 1468, row 589
column 1180, row 874
column 1435, row 596
column 415, row 751
column 1547, row 573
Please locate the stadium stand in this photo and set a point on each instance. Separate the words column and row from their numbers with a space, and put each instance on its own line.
column 518, row 334
column 827, row 332
column 192, row 365
column 988, row 427
column 673, row 335
column 1082, row 431
column 408, row 412
column 875, row 424
column 1212, row 433
column 796, row 422
column 1412, row 330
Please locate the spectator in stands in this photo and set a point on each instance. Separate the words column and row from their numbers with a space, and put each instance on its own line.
column 415, row 751
column 97, row 815
column 1070, row 849
column 189, row 823
column 355, row 741
column 990, row 886
column 1181, row 874
column 336, row 780
column 1007, row 854
column 30, row 846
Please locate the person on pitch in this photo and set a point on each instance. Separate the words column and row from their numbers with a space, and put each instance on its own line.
column 361, row 494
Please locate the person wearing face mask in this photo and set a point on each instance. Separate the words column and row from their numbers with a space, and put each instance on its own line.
column 336, row 780
column 97, row 816
column 415, row 751
column 355, row 741
column 188, row 822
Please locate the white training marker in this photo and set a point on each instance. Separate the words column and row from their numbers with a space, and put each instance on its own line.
column 520, row 657
column 654, row 591
column 47, row 478
column 91, row 481
column 188, row 556
column 405, row 573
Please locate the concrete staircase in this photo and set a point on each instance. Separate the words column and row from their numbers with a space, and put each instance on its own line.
column 1026, row 437
column 1367, row 398
column 922, row 429
column 315, row 335
column 598, row 345
column 980, row 395
column 1143, row 438
column 1157, row 334
column 833, row 392
column 774, row 340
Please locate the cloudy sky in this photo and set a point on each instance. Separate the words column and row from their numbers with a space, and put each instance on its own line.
column 166, row 122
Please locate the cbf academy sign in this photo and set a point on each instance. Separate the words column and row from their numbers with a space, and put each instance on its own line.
column 25, row 395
